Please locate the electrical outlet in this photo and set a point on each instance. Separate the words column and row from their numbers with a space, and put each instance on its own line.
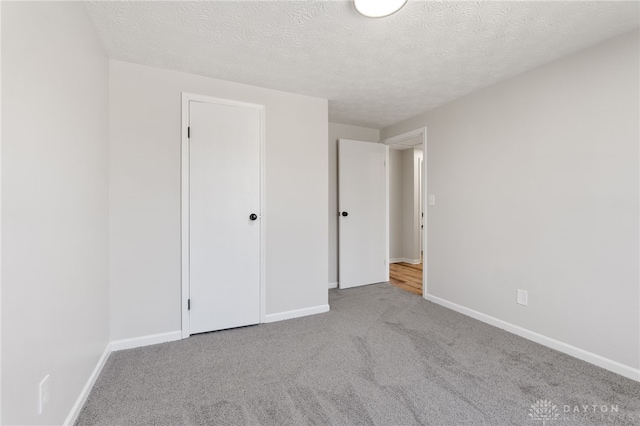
column 43, row 394
column 523, row 297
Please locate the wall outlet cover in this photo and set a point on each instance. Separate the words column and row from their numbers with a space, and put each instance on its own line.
column 523, row 297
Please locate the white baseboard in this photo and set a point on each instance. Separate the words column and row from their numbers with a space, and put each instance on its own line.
column 600, row 361
column 112, row 346
column 296, row 313
column 86, row 390
column 333, row 285
column 404, row 260
column 137, row 342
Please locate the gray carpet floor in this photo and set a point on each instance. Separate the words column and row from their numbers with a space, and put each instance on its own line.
column 381, row 356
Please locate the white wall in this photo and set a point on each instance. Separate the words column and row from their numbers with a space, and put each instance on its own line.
column 54, row 206
column 144, row 191
column 340, row 131
column 537, row 186
column 396, row 251
column 413, row 205
column 0, row 215
column 404, row 210
column 409, row 201
column 419, row 156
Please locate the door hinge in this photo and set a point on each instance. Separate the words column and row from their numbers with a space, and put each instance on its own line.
column 188, row 304
column 189, row 132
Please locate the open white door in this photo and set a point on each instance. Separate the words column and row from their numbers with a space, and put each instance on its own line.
column 363, row 225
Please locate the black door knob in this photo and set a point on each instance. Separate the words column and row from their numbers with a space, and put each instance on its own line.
column 253, row 216
column 345, row 214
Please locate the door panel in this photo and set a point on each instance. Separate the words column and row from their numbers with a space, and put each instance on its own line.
column 362, row 194
column 224, row 189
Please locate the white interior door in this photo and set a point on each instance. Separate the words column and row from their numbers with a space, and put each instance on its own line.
column 363, row 222
column 224, row 239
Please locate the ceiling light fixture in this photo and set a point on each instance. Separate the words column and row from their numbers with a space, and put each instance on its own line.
column 378, row 8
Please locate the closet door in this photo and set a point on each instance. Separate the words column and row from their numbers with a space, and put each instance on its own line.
column 224, row 216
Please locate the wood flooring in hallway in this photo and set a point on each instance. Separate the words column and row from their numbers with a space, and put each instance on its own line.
column 406, row 277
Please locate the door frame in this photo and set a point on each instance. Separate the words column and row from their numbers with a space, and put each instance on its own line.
column 421, row 131
column 185, row 197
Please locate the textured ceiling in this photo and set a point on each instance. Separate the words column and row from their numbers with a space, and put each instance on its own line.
column 375, row 72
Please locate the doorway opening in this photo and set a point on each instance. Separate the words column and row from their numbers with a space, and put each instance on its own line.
column 407, row 213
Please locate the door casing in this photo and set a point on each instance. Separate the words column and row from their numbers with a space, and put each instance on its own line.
column 421, row 132
column 184, row 231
